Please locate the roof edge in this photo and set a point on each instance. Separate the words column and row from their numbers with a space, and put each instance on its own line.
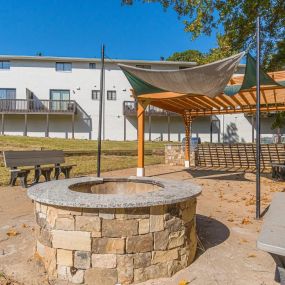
column 86, row 59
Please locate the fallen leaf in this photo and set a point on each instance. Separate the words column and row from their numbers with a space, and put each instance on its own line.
column 183, row 282
column 12, row 233
column 251, row 255
column 246, row 221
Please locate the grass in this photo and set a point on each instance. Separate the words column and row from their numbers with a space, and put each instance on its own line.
column 33, row 143
column 85, row 164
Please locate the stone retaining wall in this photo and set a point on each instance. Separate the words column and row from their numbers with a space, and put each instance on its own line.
column 110, row 246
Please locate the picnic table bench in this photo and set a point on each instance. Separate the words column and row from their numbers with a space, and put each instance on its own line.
column 42, row 162
column 272, row 235
column 278, row 171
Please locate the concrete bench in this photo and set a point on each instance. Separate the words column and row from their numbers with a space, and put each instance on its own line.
column 42, row 162
column 272, row 235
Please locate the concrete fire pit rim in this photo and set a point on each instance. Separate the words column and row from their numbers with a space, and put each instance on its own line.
column 58, row 193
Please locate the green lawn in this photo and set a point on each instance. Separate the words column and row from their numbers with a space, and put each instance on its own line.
column 85, row 164
column 22, row 143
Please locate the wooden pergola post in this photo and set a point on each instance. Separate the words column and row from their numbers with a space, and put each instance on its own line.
column 188, row 125
column 140, row 116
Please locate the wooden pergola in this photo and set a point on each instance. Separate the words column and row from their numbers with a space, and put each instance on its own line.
column 191, row 106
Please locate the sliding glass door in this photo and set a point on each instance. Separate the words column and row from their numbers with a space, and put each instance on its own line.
column 60, row 99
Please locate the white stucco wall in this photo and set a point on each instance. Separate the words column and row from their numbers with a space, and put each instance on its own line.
column 40, row 77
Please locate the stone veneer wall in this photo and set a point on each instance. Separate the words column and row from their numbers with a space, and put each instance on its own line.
column 110, row 246
column 174, row 155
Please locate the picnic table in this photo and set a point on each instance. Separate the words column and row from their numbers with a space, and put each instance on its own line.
column 272, row 235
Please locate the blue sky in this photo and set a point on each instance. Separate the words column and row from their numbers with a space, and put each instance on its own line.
column 78, row 28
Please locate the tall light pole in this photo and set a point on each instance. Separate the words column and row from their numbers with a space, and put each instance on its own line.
column 100, row 111
column 257, row 118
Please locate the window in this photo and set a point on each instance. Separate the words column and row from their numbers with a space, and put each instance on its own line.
column 92, row 65
column 60, row 99
column 63, row 66
column 4, row 64
column 95, row 95
column 7, row 93
column 145, row 66
column 111, row 95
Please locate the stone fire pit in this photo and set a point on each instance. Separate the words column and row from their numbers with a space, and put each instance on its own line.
column 115, row 230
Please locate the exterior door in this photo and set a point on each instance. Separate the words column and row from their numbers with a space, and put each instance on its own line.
column 60, row 99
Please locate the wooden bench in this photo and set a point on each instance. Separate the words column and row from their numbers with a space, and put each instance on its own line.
column 272, row 235
column 42, row 162
column 278, row 171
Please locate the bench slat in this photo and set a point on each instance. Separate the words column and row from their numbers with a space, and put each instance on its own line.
column 32, row 158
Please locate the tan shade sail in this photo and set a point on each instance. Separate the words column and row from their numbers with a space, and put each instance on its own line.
column 209, row 79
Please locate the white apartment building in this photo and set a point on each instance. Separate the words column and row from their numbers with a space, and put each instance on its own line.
column 59, row 97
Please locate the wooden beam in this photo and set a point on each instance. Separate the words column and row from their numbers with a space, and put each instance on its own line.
column 219, row 101
column 275, row 99
column 237, row 101
column 187, row 123
column 212, row 102
column 177, row 102
column 167, row 106
column 202, row 102
column 253, row 96
column 192, row 104
column 236, row 111
column 242, row 95
column 264, row 97
column 224, row 98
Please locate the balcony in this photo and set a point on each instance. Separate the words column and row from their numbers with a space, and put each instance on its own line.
column 130, row 109
column 36, row 106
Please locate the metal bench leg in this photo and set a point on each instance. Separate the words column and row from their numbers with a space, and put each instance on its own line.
column 56, row 173
column 37, row 175
column 67, row 172
column 13, row 179
column 23, row 180
column 46, row 174
column 280, row 268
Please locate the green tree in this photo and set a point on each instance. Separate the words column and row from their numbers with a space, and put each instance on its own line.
column 188, row 55
column 223, row 50
column 238, row 18
column 277, row 61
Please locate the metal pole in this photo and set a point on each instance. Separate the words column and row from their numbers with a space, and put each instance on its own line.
column 100, row 111
column 257, row 120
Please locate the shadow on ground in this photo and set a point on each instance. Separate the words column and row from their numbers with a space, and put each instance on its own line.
column 210, row 232
column 217, row 174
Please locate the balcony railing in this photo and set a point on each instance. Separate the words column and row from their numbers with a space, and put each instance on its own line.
column 130, row 109
column 37, row 106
